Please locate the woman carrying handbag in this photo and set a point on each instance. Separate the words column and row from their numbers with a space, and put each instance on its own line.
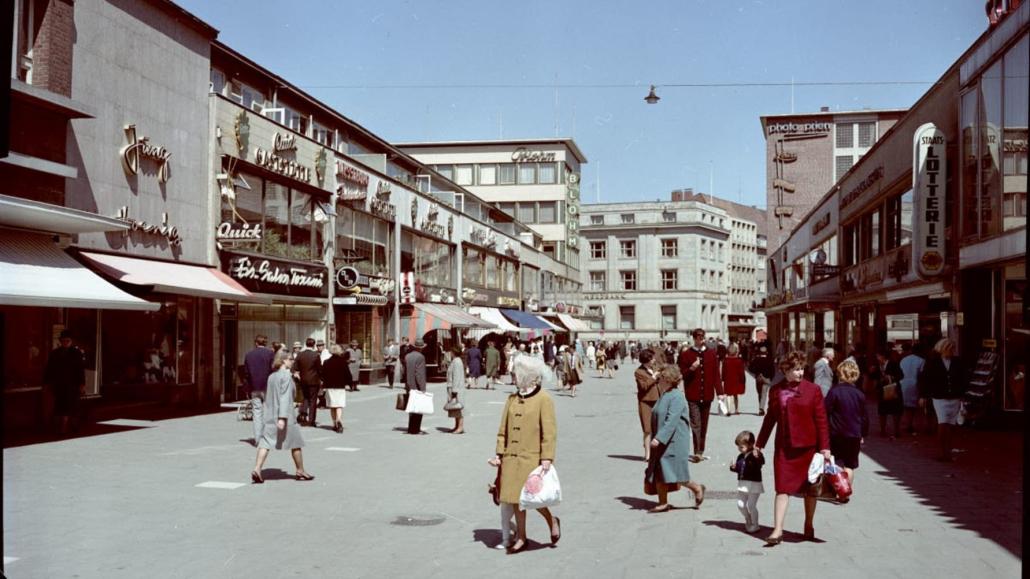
column 455, row 380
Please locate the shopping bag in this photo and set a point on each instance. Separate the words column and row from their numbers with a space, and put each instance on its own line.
column 419, row 402
column 816, row 467
column 541, row 489
column 722, row 407
column 838, row 480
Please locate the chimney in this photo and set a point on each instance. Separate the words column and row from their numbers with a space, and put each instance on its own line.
column 824, row 109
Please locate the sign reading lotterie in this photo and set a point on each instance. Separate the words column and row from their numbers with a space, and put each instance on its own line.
column 928, row 185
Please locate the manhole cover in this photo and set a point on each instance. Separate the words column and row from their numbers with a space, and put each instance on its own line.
column 419, row 520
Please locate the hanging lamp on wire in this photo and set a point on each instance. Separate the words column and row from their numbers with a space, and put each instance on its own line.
column 651, row 97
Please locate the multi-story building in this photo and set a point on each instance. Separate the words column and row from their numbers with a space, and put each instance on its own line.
column 656, row 270
column 806, row 153
column 535, row 181
column 746, row 268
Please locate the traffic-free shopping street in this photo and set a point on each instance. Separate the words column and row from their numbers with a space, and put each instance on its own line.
column 173, row 498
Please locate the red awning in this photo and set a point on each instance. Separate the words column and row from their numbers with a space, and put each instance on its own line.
column 163, row 276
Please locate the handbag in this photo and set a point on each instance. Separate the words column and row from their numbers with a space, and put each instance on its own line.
column 541, row 489
column 402, row 402
column 890, row 392
column 419, row 402
column 452, row 402
column 494, row 490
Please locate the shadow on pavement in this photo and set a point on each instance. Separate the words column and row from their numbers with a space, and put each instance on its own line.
column 627, row 457
column 637, row 503
column 981, row 491
column 275, row 474
column 488, row 537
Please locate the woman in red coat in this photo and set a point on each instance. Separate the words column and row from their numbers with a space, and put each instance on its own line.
column 733, row 380
column 796, row 410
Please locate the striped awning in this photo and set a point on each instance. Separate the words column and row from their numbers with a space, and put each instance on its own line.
column 573, row 324
column 426, row 318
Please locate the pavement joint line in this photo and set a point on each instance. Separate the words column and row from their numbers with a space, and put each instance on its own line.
column 130, row 422
column 215, row 484
column 343, row 448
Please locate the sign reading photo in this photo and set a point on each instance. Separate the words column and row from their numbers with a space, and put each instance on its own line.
column 929, row 168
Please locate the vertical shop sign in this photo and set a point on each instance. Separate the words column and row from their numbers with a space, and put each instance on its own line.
column 928, row 185
column 572, row 210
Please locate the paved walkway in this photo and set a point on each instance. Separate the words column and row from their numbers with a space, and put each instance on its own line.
column 172, row 498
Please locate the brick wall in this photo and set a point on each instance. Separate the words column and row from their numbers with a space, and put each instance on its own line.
column 52, row 51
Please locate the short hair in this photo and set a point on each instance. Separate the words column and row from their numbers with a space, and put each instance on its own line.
column 733, row 349
column 260, row 339
column 646, row 356
column 336, row 350
column 698, row 333
column 827, row 352
column 310, row 342
column 945, row 345
column 670, row 376
column 794, row 359
column 745, row 438
column 456, row 350
column 848, row 371
column 281, row 357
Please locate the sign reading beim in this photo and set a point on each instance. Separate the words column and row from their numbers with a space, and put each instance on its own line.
column 929, row 168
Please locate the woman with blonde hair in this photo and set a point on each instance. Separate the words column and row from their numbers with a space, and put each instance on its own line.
column 944, row 381
column 281, row 428
column 526, row 439
column 848, row 418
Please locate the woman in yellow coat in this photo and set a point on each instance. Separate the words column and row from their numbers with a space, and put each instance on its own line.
column 527, row 438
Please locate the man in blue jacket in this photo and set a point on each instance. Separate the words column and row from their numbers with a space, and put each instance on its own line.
column 257, row 365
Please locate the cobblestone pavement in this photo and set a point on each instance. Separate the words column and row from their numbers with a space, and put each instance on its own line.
column 135, row 504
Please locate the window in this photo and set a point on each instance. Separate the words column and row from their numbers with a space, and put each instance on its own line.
column 845, row 136
column 508, row 208
column 550, row 250
column 527, row 174
column 628, row 218
column 670, row 279
column 446, row 171
column 322, row 134
column 670, row 248
column 157, row 347
column 627, row 317
column 597, row 281
column 428, row 258
column 488, row 174
column 850, row 245
column 548, row 212
column 463, row 174
column 217, row 81
column 506, row 174
column 874, row 233
column 597, row 220
column 990, row 146
column 898, row 220
column 296, row 120
column 628, row 248
column 472, row 267
column 547, row 174
column 704, row 279
column 668, row 317
column 629, row 280
column 527, row 212
column 669, row 217
column 492, row 271
column 866, row 134
column 843, row 164
column 1014, row 135
column 598, row 250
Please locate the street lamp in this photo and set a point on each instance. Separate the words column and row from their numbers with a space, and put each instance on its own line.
column 651, row 97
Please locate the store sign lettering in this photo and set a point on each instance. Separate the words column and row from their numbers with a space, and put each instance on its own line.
column 284, row 143
column 799, row 128
column 928, row 175
column 162, row 230
column 138, row 147
column 572, row 210
column 521, row 155
column 238, row 231
column 265, row 272
column 821, row 224
column 282, row 165
column 380, row 204
column 862, row 187
column 352, row 176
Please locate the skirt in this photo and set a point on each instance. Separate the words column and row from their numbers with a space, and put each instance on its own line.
column 335, row 398
column 845, row 450
column 947, row 410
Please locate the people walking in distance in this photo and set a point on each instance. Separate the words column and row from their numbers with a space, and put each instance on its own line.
column 623, row 352
column 611, row 355
column 354, row 358
column 798, row 415
column 884, row 376
column 912, row 365
column 281, row 429
column 601, row 363
column 527, row 438
column 516, row 353
column 308, row 368
column 493, row 365
column 823, row 371
column 734, row 379
column 573, row 367
column 549, row 351
column 65, row 373
column 390, row 355
column 507, row 356
column 474, row 363
column 276, row 346
column 748, row 467
column 668, row 466
column 257, row 365
column 415, row 364
column 297, row 347
column 591, row 356
column 403, row 350
column 702, row 382
column 323, row 352
column 336, row 377
column 944, row 382
column 848, row 418
column 648, row 393
column 455, row 382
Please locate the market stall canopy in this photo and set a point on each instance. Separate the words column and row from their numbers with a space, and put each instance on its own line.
column 494, row 316
column 168, row 277
column 573, row 324
column 34, row 271
column 428, row 317
column 529, row 321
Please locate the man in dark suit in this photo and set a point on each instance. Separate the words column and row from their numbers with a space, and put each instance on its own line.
column 66, row 375
column 701, row 382
column 307, row 367
column 404, row 350
column 761, row 367
column 257, row 365
column 415, row 379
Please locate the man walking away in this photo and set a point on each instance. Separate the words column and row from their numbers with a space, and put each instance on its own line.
column 354, row 356
column 404, row 350
column 257, row 365
column 702, row 382
column 823, row 371
column 390, row 354
column 308, row 369
column 761, row 368
column 415, row 364
column 66, row 374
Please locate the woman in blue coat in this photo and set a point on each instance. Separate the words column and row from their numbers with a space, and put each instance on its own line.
column 281, row 428
column 670, row 446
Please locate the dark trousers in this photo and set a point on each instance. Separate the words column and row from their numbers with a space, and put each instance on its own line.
column 390, row 370
column 699, row 423
column 414, row 423
column 309, row 407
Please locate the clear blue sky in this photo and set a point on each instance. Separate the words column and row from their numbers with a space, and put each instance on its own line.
column 641, row 151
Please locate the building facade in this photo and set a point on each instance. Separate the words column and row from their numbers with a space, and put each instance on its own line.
column 655, row 271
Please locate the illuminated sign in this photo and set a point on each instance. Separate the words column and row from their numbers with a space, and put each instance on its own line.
column 928, row 186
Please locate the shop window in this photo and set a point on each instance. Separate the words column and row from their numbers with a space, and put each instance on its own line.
column 150, row 347
column 670, row 279
column 305, row 226
column 428, row 258
column 969, row 147
column 463, row 174
column 627, row 317
column 488, row 174
column 506, row 174
column 629, row 280
column 898, row 220
column 628, row 248
column 1014, row 135
column 508, row 276
column 546, row 174
column 548, row 212
column 597, row 281
column 472, row 267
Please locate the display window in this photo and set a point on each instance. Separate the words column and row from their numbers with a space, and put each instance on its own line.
column 150, row 347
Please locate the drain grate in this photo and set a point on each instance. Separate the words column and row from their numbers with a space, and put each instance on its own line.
column 425, row 520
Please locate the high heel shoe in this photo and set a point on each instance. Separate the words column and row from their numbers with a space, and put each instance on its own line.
column 555, row 538
column 255, row 477
column 521, row 546
column 773, row 541
column 304, row 476
column 701, row 499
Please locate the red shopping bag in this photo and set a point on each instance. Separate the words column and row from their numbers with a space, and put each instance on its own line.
column 838, row 480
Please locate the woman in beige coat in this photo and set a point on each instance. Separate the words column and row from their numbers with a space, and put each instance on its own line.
column 527, row 438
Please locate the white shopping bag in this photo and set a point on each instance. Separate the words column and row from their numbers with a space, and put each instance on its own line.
column 541, row 489
column 419, row 402
column 816, row 467
column 723, row 409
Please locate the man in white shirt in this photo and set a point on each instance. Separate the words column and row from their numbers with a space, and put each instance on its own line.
column 823, row 371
